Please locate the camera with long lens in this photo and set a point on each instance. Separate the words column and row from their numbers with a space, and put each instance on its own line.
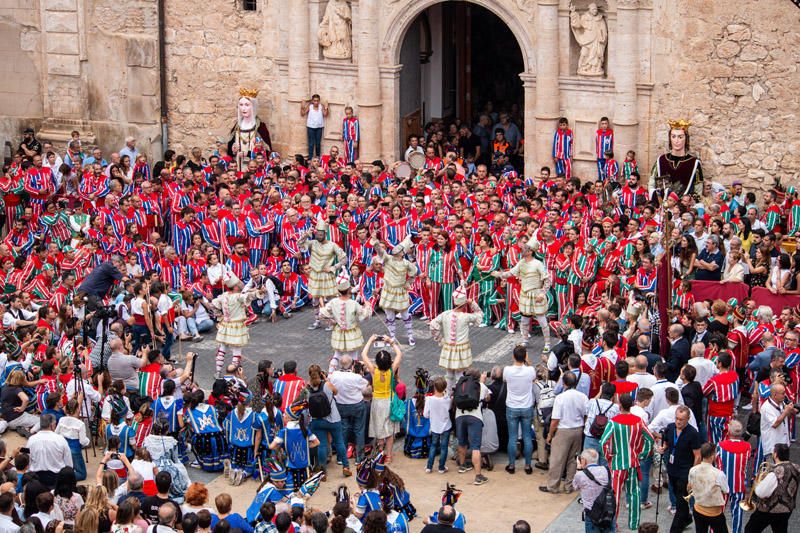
column 105, row 311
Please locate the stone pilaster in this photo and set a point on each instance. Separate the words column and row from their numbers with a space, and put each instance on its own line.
column 390, row 96
column 626, row 118
column 368, row 89
column 298, row 75
column 547, row 91
column 66, row 99
column 529, row 86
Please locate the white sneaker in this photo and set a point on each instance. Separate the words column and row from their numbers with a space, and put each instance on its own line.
column 747, row 407
column 412, row 341
column 329, row 328
column 314, row 325
column 226, row 468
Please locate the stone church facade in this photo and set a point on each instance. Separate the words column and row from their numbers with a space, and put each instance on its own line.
column 150, row 68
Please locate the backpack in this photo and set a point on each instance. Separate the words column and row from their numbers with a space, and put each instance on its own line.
column 600, row 421
column 547, row 396
column 604, row 508
column 318, row 404
column 467, row 395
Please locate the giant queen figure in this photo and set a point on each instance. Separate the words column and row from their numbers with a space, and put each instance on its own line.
column 677, row 170
column 248, row 127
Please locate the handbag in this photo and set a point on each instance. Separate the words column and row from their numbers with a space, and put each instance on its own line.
column 397, row 408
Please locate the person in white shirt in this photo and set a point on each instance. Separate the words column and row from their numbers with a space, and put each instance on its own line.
column 49, row 451
column 7, row 524
column 90, row 396
column 519, row 380
column 775, row 418
column 413, row 146
column 45, row 502
column 641, row 377
column 167, row 518
column 130, row 149
column 315, row 112
column 603, row 405
column 349, row 399
column 16, row 315
column 706, row 369
column 437, row 410
column 666, row 416
column 566, row 434
column 659, row 388
column 643, row 398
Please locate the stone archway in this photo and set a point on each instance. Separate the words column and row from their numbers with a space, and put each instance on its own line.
column 397, row 27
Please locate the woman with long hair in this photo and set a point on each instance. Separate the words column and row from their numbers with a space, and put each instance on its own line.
column 87, row 521
column 375, row 522
column 383, row 371
column 67, row 500
column 687, row 256
column 98, row 499
column 321, row 392
column 779, row 280
column 760, row 268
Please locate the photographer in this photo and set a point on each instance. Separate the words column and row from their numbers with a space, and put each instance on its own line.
column 126, row 367
column 350, row 387
column 101, row 279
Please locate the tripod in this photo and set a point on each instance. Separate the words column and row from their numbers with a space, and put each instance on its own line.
column 80, row 392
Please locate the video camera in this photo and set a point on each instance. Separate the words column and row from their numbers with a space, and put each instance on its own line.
column 105, row 311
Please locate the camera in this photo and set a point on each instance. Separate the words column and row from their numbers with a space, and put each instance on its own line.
column 277, row 373
column 115, row 456
column 105, row 311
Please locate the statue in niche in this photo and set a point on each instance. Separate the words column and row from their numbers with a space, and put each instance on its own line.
column 591, row 32
column 335, row 30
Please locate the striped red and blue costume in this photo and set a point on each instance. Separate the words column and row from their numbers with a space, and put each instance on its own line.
column 239, row 265
column 562, row 152
column 351, row 135
column 603, row 142
column 39, row 186
column 171, row 273
column 259, row 227
column 722, row 391
column 360, row 253
column 194, row 269
column 369, row 287
column 145, row 254
column 646, row 279
column 732, row 457
column 182, row 237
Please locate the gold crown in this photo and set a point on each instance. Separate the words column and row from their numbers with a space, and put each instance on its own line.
column 248, row 93
column 681, row 124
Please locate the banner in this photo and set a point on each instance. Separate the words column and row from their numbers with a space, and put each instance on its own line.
column 714, row 290
column 762, row 296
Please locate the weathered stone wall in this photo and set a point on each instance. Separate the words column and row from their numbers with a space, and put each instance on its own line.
column 20, row 84
column 213, row 48
column 732, row 70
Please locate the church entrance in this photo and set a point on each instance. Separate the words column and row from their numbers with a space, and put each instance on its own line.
column 459, row 60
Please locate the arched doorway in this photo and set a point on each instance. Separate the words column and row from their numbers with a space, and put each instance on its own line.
column 456, row 58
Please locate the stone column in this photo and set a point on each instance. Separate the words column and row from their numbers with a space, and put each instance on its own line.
column 298, row 76
column 368, row 90
column 529, row 86
column 626, row 119
column 547, row 91
column 390, row 97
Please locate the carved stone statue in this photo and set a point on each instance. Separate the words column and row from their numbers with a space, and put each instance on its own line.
column 591, row 32
column 335, row 31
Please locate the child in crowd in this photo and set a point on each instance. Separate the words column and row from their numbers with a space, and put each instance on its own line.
column 351, row 135
column 295, row 440
column 604, row 143
column 629, row 166
column 562, row 149
column 437, row 410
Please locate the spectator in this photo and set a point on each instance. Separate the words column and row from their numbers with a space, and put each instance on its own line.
column 469, row 428
column 679, row 351
column 13, row 405
column 167, row 517
column 126, row 367
column 709, row 261
column 519, row 379
column 446, row 517
column 325, row 419
column 592, row 431
column 383, row 372
column 289, row 385
column 67, row 501
column 49, row 452
column 590, row 489
column 437, row 410
column 775, row 416
column 152, row 505
column 565, row 435
column 223, row 503
column 681, row 442
column 350, row 387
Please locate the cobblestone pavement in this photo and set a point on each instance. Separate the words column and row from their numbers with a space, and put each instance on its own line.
column 291, row 339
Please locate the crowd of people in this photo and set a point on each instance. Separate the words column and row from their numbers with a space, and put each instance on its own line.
column 109, row 266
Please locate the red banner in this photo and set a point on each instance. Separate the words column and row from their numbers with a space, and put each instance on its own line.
column 762, row 296
column 714, row 290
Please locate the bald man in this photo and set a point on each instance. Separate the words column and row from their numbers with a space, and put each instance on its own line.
column 679, row 351
column 640, row 376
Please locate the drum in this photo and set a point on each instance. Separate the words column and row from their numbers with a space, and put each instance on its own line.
column 416, row 160
column 403, row 170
